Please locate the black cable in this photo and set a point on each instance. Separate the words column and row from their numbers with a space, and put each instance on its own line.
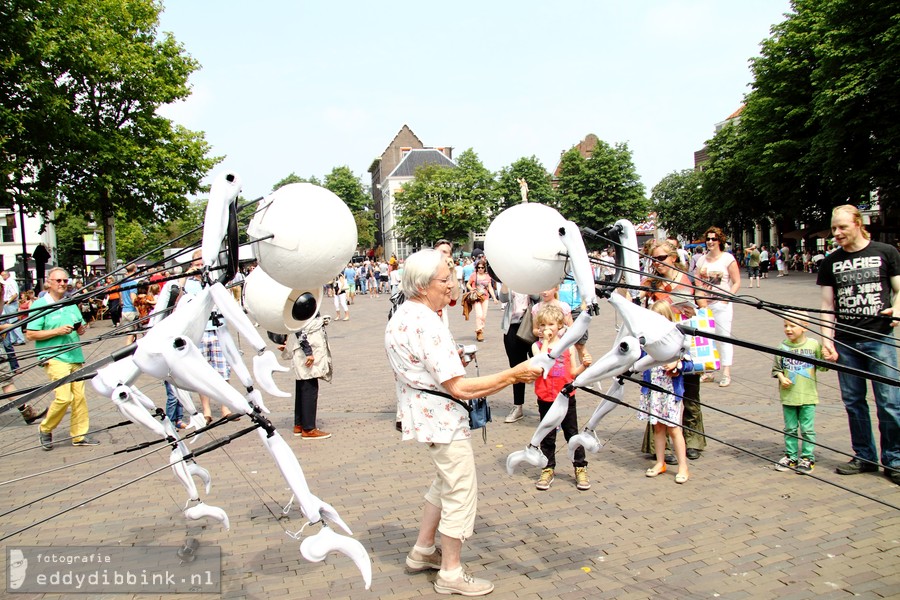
column 740, row 449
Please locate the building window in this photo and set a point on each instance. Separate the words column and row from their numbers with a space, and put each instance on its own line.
column 6, row 234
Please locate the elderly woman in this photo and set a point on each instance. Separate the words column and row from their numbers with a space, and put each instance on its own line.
column 425, row 358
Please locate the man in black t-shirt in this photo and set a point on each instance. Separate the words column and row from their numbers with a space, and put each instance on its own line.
column 857, row 282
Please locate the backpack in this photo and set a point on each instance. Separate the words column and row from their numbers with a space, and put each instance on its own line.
column 397, row 298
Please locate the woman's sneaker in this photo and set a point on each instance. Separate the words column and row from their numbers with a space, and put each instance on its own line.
column 546, row 478
column 465, row 585
column 786, row 464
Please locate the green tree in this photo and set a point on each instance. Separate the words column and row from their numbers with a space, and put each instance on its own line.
column 531, row 170
column 597, row 191
column 679, row 206
column 820, row 123
column 445, row 202
column 102, row 71
column 294, row 178
column 348, row 188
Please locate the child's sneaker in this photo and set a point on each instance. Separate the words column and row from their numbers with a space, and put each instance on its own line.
column 546, row 478
column 786, row 464
column 805, row 466
column 581, row 479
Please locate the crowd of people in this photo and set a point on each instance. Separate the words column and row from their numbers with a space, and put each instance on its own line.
column 428, row 365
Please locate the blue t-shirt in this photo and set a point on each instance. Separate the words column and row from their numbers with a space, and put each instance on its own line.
column 350, row 274
column 127, row 304
column 467, row 271
column 568, row 293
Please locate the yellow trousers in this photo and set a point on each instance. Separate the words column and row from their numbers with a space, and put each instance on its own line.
column 69, row 395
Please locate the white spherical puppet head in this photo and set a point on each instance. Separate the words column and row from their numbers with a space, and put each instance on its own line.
column 277, row 308
column 314, row 235
column 523, row 248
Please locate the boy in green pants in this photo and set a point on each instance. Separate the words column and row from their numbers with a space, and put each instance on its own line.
column 797, row 379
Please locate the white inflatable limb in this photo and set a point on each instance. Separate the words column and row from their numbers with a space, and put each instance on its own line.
column 196, row 418
column 189, row 370
column 263, row 367
column 202, row 510
column 570, row 235
column 133, row 410
column 313, row 508
column 628, row 239
column 196, row 470
column 587, row 439
column 531, row 455
column 316, row 547
column 240, row 370
column 121, row 372
column 222, row 193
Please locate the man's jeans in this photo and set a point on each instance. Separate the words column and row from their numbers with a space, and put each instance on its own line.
column 15, row 334
column 870, row 358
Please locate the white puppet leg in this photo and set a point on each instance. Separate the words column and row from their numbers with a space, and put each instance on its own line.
column 229, row 348
column 196, row 418
column 316, row 547
column 587, row 439
column 189, row 370
column 264, row 363
column 133, row 410
column 313, row 508
column 616, row 361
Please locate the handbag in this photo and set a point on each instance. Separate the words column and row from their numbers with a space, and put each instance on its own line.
column 703, row 351
column 526, row 326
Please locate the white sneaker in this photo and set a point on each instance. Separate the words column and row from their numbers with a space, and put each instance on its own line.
column 515, row 414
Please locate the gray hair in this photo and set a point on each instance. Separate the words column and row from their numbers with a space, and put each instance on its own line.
column 418, row 271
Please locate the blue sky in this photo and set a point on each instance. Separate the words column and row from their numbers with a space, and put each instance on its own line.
column 304, row 86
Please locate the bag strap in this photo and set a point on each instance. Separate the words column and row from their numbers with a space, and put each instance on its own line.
column 465, row 405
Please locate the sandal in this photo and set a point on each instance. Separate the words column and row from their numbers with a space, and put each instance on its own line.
column 681, row 478
column 653, row 471
column 726, row 381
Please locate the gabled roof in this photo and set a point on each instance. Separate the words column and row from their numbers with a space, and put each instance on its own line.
column 404, row 129
column 416, row 158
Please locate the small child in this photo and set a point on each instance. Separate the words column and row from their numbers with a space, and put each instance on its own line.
column 550, row 321
column 799, row 397
column 664, row 410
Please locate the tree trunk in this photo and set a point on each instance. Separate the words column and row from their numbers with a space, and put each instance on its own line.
column 109, row 231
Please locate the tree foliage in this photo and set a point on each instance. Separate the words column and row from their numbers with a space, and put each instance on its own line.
column 445, row 202
column 820, row 126
column 531, row 170
column 99, row 71
column 599, row 190
column 677, row 199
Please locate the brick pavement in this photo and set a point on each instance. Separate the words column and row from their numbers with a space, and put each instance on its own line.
column 737, row 529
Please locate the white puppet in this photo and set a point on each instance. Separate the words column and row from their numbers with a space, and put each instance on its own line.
column 303, row 258
column 530, row 247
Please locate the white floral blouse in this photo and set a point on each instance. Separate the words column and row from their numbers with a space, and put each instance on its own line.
column 423, row 354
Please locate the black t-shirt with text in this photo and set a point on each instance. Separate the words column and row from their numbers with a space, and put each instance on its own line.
column 862, row 288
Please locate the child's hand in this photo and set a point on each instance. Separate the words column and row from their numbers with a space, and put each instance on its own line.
column 310, row 360
column 586, row 359
column 785, row 382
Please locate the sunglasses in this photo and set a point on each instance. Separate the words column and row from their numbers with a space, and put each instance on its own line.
column 712, row 239
column 60, row 280
column 661, row 257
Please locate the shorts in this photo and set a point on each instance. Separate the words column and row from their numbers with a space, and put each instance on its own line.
column 6, row 374
column 455, row 488
column 584, row 338
column 211, row 349
column 754, row 271
column 129, row 317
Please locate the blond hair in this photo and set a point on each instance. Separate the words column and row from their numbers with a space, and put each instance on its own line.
column 550, row 314
column 661, row 307
column 855, row 215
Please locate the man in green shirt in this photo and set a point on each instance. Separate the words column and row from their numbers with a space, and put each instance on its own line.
column 55, row 334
